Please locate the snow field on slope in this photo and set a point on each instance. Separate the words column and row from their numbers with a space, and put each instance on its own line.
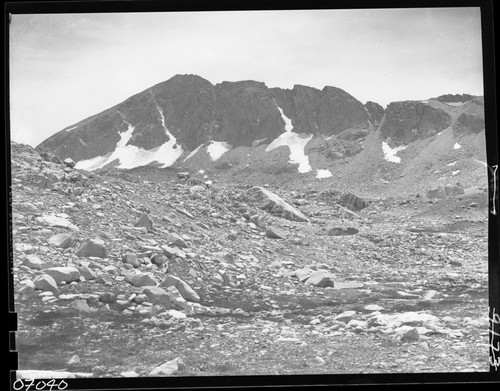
column 130, row 156
column 390, row 153
column 294, row 142
column 217, row 148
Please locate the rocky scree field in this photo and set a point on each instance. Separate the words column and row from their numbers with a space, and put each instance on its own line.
column 137, row 273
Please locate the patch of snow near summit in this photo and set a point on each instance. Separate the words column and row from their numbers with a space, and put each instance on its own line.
column 130, row 156
column 390, row 153
column 323, row 174
column 294, row 142
column 217, row 148
column 457, row 146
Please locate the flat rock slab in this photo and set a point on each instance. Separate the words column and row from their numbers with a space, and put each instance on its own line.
column 34, row 262
column 184, row 289
column 347, row 284
column 320, row 279
column 271, row 202
column 54, row 221
column 63, row 274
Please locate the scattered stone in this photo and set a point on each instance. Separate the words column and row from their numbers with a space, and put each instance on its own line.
column 303, row 274
column 345, row 316
column 169, row 368
column 55, row 221
column 373, row 307
column 61, row 241
column 92, row 248
column 87, row 273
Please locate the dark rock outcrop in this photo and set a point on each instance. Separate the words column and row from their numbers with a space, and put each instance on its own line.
column 375, row 111
column 408, row 121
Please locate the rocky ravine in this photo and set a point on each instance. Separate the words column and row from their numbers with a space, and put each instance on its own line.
column 143, row 273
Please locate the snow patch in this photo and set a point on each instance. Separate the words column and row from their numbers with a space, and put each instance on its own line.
column 323, row 174
column 217, row 148
column 294, row 142
column 452, row 164
column 74, row 127
column 201, row 172
column 390, row 153
column 130, row 156
column 457, row 146
column 192, row 153
column 453, row 173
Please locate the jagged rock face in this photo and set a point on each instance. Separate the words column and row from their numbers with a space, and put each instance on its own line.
column 246, row 111
column 195, row 112
column 408, row 121
column 329, row 111
column 375, row 111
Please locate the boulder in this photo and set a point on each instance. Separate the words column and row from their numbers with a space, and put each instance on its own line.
column 274, row 233
column 176, row 240
column 131, row 259
column 61, row 241
column 92, row 248
column 87, row 273
column 172, row 252
column 272, row 203
column 184, row 289
column 63, row 274
column 320, row 279
column 44, row 282
column 35, row 262
column 303, row 274
column 144, row 221
column 27, row 287
column 340, row 231
column 177, row 299
column 169, row 368
column 137, row 278
column 55, row 221
column 352, row 202
column 28, row 208
column 454, row 190
column 69, row 162
column 158, row 296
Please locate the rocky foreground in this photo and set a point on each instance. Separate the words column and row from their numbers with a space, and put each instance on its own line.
column 145, row 273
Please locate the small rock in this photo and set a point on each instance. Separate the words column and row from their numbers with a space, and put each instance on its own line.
column 373, row 307
column 303, row 274
column 157, row 295
column 87, row 273
column 74, row 360
column 28, row 287
column 339, row 231
column 172, row 252
column 82, row 306
column 107, row 297
column 28, row 208
column 345, row 316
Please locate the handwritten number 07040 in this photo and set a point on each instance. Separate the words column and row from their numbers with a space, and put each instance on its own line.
column 20, row 384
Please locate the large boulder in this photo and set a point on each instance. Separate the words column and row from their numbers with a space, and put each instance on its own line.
column 92, row 248
column 184, row 289
column 272, row 203
column 63, row 274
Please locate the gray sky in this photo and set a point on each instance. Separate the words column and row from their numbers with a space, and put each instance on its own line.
column 66, row 67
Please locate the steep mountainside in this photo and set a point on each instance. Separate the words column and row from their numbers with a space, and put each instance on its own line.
column 189, row 111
